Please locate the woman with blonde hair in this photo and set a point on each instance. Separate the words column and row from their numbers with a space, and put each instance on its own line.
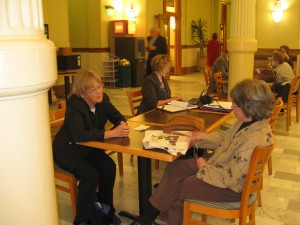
column 155, row 88
column 88, row 109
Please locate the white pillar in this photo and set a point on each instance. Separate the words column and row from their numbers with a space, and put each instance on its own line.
column 27, row 70
column 242, row 43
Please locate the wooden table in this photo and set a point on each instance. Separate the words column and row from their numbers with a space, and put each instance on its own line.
column 212, row 120
column 133, row 145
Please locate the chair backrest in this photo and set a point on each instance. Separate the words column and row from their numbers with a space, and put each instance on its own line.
column 219, row 84
column 56, row 120
column 252, row 184
column 275, row 113
column 134, row 99
column 207, row 75
column 293, row 89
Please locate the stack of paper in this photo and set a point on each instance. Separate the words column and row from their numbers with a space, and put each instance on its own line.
column 218, row 106
column 177, row 106
column 173, row 143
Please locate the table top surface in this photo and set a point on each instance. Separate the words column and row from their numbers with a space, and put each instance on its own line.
column 133, row 144
column 156, row 117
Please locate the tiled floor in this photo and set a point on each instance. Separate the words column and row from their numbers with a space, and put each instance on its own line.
column 281, row 193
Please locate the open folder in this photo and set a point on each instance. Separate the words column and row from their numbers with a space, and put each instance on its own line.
column 177, row 106
column 217, row 106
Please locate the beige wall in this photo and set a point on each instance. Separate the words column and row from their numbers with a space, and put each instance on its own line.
column 56, row 16
column 270, row 35
column 87, row 22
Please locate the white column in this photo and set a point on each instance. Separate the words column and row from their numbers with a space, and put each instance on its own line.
column 242, row 43
column 27, row 70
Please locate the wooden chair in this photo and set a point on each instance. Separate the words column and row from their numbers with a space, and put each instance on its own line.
column 56, row 121
column 272, row 122
column 219, row 83
column 135, row 99
column 207, row 75
column 288, row 106
column 296, row 100
column 233, row 210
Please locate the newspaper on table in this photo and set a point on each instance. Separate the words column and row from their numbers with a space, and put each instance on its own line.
column 178, row 142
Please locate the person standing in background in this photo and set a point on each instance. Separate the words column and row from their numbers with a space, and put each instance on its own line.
column 157, row 44
column 213, row 50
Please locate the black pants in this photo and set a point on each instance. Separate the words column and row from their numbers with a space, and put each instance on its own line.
column 94, row 169
column 148, row 68
column 282, row 91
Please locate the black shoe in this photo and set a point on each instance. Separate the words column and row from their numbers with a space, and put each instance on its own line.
column 115, row 220
column 135, row 223
column 80, row 223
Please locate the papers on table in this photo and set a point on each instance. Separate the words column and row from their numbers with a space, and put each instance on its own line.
column 177, row 106
column 218, row 106
column 173, row 143
column 141, row 128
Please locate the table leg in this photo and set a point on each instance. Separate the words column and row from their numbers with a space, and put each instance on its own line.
column 67, row 86
column 145, row 182
column 145, row 187
column 50, row 96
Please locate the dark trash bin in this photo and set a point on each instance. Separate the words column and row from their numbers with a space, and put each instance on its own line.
column 124, row 74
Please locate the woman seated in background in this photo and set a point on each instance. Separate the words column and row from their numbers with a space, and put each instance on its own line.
column 155, row 88
column 88, row 109
column 284, row 75
column 285, row 50
column 220, row 178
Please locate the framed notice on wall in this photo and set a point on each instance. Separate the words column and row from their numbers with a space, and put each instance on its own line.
column 170, row 3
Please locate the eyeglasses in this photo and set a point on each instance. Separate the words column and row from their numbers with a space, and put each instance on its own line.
column 95, row 89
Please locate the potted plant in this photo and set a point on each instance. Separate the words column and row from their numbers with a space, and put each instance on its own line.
column 199, row 37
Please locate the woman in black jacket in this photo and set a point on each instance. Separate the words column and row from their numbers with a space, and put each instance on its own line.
column 155, row 88
column 88, row 109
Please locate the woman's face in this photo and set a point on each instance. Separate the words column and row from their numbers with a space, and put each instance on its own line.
column 274, row 62
column 164, row 70
column 94, row 95
column 240, row 115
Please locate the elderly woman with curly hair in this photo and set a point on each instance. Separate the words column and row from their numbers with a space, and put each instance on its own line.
column 155, row 88
column 221, row 177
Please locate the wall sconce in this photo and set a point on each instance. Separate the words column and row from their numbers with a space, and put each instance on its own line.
column 109, row 10
column 172, row 23
column 131, row 12
column 278, row 9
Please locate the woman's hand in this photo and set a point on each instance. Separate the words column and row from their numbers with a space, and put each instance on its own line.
column 179, row 98
column 122, row 130
column 198, row 135
column 201, row 162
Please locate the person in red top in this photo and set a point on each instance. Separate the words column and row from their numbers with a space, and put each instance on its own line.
column 213, row 49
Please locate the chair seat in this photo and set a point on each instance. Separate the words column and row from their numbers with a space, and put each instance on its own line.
column 60, row 170
column 223, row 205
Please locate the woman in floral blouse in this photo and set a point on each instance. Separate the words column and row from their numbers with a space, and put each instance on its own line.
column 221, row 177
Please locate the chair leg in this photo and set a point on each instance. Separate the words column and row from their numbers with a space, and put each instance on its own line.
column 203, row 217
column 73, row 195
column 297, row 112
column 156, row 164
column 120, row 163
column 131, row 158
column 270, row 168
column 259, row 201
column 186, row 213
